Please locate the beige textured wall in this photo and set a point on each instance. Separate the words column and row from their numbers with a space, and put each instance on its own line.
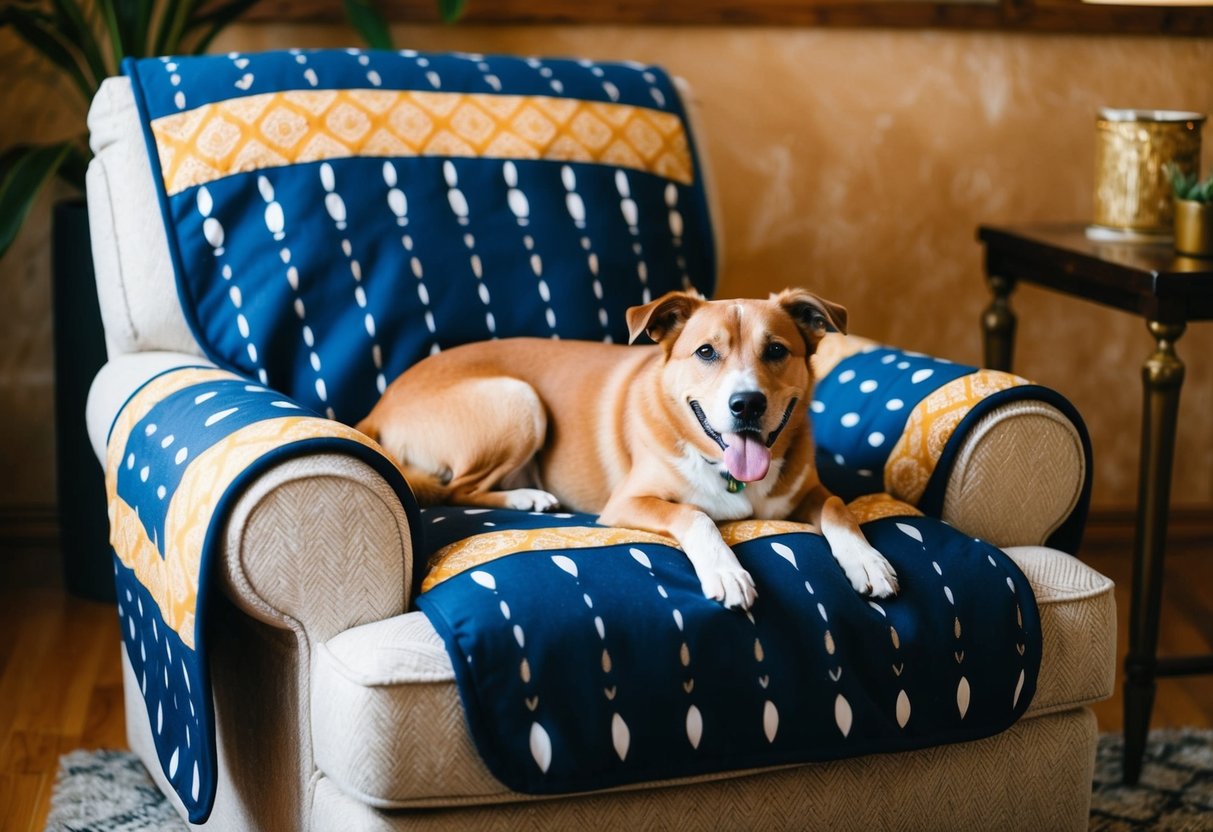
column 857, row 163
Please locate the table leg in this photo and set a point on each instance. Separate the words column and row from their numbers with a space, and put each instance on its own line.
column 1162, row 377
column 998, row 324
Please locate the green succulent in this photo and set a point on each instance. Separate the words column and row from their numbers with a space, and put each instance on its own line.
column 1187, row 185
column 87, row 41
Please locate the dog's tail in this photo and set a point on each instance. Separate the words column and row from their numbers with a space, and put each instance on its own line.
column 427, row 487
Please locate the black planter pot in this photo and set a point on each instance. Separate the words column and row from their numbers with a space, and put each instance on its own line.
column 79, row 355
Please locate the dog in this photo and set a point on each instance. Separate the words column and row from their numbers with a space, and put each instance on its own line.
column 709, row 424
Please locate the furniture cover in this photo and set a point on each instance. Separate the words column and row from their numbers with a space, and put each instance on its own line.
column 249, row 292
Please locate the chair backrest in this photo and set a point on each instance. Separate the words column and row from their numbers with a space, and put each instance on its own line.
column 321, row 220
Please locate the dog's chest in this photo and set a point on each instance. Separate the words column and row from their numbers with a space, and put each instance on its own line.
column 708, row 490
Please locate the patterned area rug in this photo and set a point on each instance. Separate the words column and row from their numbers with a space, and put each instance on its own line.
column 109, row 791
column 1176, row 787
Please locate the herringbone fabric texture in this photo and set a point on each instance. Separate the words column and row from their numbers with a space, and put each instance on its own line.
column 1078, row 629
column 388, row 726
column 321, row 541
column 1018, row 476
column 997, row 783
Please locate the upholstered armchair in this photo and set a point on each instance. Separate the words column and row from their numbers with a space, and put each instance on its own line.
column 336, row 702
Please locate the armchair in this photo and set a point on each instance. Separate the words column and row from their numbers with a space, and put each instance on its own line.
column 335, row 702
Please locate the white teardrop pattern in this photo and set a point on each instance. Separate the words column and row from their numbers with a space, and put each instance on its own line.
column 903, row 708
column 398, row 204
column 694, row 722
column 336, row 208
column 459, row 207
column 576, row 208
column 621, row 736
column 842, row 714
column 631, row 215
column 520, row 207
column 1021, row 647
column 493, row 82
column 170, row 66
column 278, row 232
column 245, row 81
column 958, row 652
column 694, row 726
column 676, row 226
column 213, row 233
column 770, row 720
column 546, row 73
column 540, row 742
column 654, row 91
column 828, row 641
column 541, row 747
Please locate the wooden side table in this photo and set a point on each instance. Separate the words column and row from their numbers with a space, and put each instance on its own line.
column 1168, row 291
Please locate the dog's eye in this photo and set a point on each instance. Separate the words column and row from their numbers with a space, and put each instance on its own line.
column 707, row 352
column 774, row 352
column 818, row 323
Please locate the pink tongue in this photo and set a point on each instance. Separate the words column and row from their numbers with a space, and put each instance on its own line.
column 746, row 457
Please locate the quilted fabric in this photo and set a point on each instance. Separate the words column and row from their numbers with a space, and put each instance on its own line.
column 180, row 451
column 887, row 420
column 584, row 668
column 336, row 215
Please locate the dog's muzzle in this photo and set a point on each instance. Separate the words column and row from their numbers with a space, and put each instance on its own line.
column 715, row 436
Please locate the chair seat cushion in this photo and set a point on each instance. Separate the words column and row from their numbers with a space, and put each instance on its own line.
column 388, row 726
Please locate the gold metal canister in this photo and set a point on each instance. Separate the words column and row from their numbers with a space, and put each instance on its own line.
column 1132, row 191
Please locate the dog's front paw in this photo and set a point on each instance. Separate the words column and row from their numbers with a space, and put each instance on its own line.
column 734, row 588
column 867, row 570
column 531, row 499
column 720, row 574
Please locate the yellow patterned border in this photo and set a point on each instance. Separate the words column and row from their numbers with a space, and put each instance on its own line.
column 930, row 426
column 172, row 580
column 871, row 507
column 281, row 128
column 480, row 549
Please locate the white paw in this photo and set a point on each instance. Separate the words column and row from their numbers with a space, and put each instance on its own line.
column 530, row 499
column 720, row 575
column 866, row 569
column 734, row 588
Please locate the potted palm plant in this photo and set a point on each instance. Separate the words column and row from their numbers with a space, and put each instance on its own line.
column 87, row 40
column 1193, row 212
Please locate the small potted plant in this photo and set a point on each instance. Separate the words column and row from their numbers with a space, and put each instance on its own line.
column 1193, row 212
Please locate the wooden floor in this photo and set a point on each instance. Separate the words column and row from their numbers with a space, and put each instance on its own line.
column 61, row 683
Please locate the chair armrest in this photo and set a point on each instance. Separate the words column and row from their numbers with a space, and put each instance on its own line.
column 319, row 541
column 988, row 452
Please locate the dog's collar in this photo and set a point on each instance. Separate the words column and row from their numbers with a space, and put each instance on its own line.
column 731, row 484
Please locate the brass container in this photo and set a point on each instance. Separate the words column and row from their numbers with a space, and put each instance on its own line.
column 1194, row 228
column 1132, row 191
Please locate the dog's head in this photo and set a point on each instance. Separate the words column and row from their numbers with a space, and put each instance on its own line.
column 737, row 372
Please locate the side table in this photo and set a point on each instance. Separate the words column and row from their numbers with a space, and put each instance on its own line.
column 1168, row 291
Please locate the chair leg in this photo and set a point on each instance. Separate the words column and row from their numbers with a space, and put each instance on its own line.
column 1162, row 378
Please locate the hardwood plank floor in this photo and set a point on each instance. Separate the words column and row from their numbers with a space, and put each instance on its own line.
column 61, row 682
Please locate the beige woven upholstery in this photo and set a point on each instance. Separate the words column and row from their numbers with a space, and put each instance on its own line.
column 388, row 726
column 1034, row 777
column 335, row 706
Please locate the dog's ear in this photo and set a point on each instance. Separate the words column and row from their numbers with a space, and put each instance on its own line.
column 663, row 318
column 814, row 316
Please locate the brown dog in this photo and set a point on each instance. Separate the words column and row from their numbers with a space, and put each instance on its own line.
column 709, row 425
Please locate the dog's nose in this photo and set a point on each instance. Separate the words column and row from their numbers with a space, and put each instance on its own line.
column 748, row 405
